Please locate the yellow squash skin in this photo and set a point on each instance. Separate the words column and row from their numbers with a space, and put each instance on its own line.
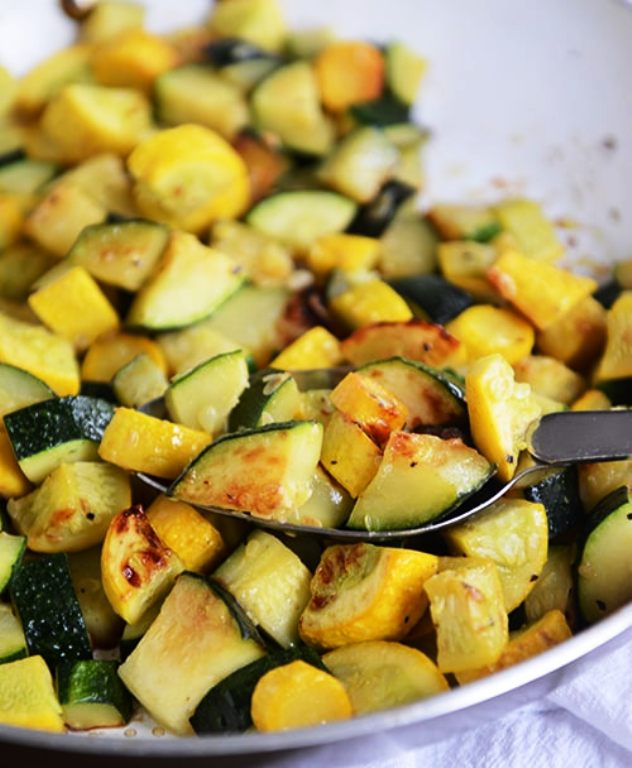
column 27, row 696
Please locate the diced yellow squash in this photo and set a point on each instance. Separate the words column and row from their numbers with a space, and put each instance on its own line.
column 109, row 18
column 467, row 608
column 366, row 402
column 416, row 339
column 500, row 411
column 597, row 480
column 142, row 443
column 349, row 72
column 363, row 592
column 84, row 120
column 548, row 632
column 370, row 302
column 13, row 482
column 543, row 292
column 109, row 354
column 189, row 177
column 75, row 307
column 616, row 361
column 279, row 701
column 486, row 330
column 513, row 533
column 349, row 253
column 259, row 21
column 592, row 400
column 549, row 378
column 59, row 218
column 8, row 91
column 623, row 274
column 40, row 352
column 133, row 59
column 27, row 696
column 578, row 337
column 532, row 231
column 554, row 590
column 137, row 568
column 316, row 348
column 379, row 674
column 464, row 263
column 44, row 81
column 349, row 454
column 11, row 219
column 463, row 222
column 194, row 539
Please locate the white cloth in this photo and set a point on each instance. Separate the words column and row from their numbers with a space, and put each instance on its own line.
column 585, row 723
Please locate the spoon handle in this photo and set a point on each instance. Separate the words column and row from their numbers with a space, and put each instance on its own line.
column 578, row 436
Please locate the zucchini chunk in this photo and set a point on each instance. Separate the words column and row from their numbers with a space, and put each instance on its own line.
column 270, row 583
column 192, row 645
column 440, row 300
column 373, row 218
column 404, row 71
column 57, row 431
column 558, row 492
column 408, row 250
column 11, row 553
column 21, row 265
column 203, row 398
column 363, row 592
column 328, row 506
column 25, row 176
column 92, row 695
column 431, row 397
column 299, row 218
column 226, row 707
column 465, row 222
column 513, row 533
column 272, row 396
column 379, row 674
column 27, row 696
column 73, row 507
column 529, row 228
column 139, row 381
column 45, row 600
column 419, row 478
column 265, row 471
column 12, row 640
column 604, row 582
column 555, row 589
column 19, row 388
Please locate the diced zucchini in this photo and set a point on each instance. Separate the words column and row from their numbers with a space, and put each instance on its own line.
column 19, row 388
column 122, row 254
column 363, row 592
column 45, row 600
column 192, row 645
column 558, row 492
column 379, row 674
column 189, row 347
column 61, row 430
column 299, row 218
column 265, row 471
column 27, row 696
column 92, row 695
column 287, row 103
column 270, row 583
column 555, row 588
column 139, row 381
column 12, row 640
column 598, row 480
column 373, row 218
column 109, row 354
column 419, row 478
column 21, row 264
column 307, row 43
column 532, row 231
column 465, row 222
column 439, row 300
column 132, row 633
column 404, row 71
column 408, row 250
column 25, row 176
column 11, row 552
column 327, row 507
column 105, row 178
column 203, row 398
column 381, row 112
column 272, row 396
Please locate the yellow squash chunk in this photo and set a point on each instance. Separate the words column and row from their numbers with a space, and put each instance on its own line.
column 110, row 18
column 548, row 632
column 349, row 253
column 370, row 302
column 597, row 480
column 259, row 21
column 13, row 481
column 349, row 454
column 416, row 339
column 532, row 232
column 74, row 307
column 133, row 59
column 316, row 348
column 188, row 177
column 500, row 411
column 137, row 568
column 578, row 337
column 27, row 696
column 616, row 361
column 555, row 589
column 279, row 701
column 8, row 90
column 464, row 263
column 40, row 352
column 84, row 120
column 11, row 220
column 543, row 292
column 366, row 402
column 363, row 592
column 194, row 539
column 485, row 330
column 349, row 72
column 463, row 222
column 142, row 443
column 592, row 400
column 513, row 533
column 59, row 218
column 466, row 604
column 379, row 674
column 549, row 378
column 109, row 354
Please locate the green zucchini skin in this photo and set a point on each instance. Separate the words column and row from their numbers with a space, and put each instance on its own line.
column 246, row 626
column 233, row 50
column 372, row 219
column 559, row 494
column 93, row 682
column 226, row 707
column 436, row 297
column 254, row 400
column 381, row 112
column 619, row 391
column 43, row 595
column 12, row 550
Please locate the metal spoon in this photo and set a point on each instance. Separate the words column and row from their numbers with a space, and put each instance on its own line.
column 555, row 440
